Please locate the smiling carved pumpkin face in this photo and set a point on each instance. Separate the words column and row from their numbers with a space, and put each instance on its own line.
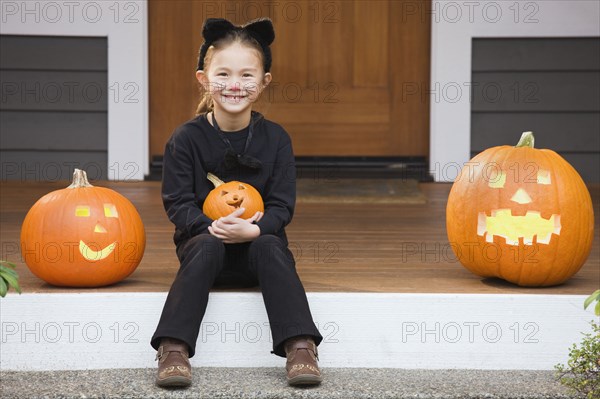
column 82, row 236
column 520, row 214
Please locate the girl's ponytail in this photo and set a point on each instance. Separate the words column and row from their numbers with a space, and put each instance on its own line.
column 206, row 103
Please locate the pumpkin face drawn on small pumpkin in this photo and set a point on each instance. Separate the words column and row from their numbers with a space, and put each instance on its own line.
column 82, row 236
column 235, row 197
column 227, row 197
column 520, row 214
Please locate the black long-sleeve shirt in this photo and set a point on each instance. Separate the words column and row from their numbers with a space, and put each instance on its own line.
column 195, row 149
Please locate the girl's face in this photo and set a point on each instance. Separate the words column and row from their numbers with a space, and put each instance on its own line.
column 235, row 78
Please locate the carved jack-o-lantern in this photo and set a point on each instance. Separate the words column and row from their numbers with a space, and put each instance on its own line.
column 520, row 214
column 227, row 197
column 82, row 236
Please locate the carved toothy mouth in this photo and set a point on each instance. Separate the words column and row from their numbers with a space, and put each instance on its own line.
column 91, row 255
column 503, row 224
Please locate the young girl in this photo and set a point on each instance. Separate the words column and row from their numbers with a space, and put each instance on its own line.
column 230, row 140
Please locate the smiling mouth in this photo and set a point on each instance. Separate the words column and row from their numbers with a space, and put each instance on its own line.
column 233, row 97
column 503, row 224
column 91, row 255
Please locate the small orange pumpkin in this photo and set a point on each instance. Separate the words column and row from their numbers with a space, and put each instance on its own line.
column 227, row 197
column 82, row 236
column 521, row 214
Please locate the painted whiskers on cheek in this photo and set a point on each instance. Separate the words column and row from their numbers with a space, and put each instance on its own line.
column 215, row 87
column 253, row 89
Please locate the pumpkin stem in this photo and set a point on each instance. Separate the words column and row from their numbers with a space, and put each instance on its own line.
column 526, row 140
column 214, row 179
column 80, row 179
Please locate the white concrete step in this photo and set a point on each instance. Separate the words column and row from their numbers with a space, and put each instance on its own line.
column 411, row 331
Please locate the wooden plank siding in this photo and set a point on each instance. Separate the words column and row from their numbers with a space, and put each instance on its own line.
column 550, row 86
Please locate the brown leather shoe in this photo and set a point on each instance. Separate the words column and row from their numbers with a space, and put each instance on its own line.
column 174, row 369
column 301, row 365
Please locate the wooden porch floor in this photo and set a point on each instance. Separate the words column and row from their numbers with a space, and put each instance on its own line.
column 399, row 248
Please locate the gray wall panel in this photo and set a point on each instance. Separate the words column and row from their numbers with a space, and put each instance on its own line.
column 53, row 107
column 587, row 165
column 536, row 54
column 573, row 132
column 550, row 86
column 53, row 90
column 35, row 130
column 53, row 52
column 536, row 91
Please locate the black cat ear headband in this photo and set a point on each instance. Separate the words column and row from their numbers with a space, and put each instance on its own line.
column 260, row 29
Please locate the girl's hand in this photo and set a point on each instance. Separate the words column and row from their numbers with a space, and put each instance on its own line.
column 232, row 229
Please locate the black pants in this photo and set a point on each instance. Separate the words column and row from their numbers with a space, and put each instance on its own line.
column 207, row 262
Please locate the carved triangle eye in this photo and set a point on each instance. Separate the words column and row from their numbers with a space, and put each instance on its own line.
column 241, row 187
column 223, row 192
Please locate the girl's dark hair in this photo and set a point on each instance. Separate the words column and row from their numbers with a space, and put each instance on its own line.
column 219, row 33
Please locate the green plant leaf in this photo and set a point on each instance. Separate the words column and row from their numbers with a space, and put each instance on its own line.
column 11, row 280
column 580, row 375
column 594, row 297
column 7, row 263
column 3, row 288
column 597, row 309
column 8, row 270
